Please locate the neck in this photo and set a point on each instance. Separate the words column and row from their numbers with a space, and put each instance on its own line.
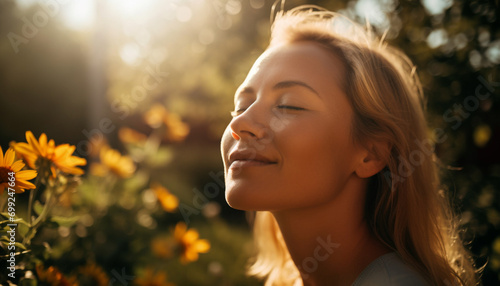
column 332, row 243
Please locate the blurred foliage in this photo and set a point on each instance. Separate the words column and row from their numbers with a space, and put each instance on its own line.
column 117, row 225
column 81, row 85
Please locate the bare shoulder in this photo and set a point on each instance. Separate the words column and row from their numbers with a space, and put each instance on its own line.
column 389, row 270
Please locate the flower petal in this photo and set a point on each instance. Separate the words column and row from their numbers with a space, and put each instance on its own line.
column 25, row 185
column 17, row 166
column 1, row 157
column 191, row 255
column 62, row 151
column 23, row 148
column 33, row 142
column 30, row 160
column 10, row 155
column 180, row 230
column 201, row 245
column 53, row 172
column 26, row 175
column 51, row 147
column 70, row 170
column 190, row 236
column 77, row 161
column 43, row 144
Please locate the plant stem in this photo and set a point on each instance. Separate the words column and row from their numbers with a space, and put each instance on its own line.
column 4, row 202
column 39, row 220
column 33, row 193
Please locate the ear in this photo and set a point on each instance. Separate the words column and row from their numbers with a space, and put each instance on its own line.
column 374, row 159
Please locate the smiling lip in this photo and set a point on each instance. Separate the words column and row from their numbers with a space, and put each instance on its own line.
column 248, row 158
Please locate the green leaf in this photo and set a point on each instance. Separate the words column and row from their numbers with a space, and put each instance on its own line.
column 22, row 229
column 17, row 220
column 136, row 182
column 38, row 207
column 65, row 221
column 20, row 246
column 4, row 240
column 162, row 157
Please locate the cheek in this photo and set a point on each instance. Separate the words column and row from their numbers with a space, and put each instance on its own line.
column 316, row 163
column 315, row 141
column 314, row 166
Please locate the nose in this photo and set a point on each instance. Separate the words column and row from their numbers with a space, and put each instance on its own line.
column 250, row 124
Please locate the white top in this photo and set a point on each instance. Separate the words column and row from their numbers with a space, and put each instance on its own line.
column 389, row 270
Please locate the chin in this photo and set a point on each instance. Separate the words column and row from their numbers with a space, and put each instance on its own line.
column 244, row 200
column 238, row 201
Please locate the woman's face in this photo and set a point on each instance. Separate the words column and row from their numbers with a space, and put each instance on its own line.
column 289, row 143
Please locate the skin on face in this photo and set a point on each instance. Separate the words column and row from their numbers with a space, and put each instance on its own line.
column 292, row 124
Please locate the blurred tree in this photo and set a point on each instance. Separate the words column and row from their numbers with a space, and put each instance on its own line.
column 44, row 85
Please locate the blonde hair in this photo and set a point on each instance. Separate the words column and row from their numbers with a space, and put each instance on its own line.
column 406, row 209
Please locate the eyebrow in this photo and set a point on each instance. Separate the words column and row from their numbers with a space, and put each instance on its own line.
column 282, row 85
column 292, row 83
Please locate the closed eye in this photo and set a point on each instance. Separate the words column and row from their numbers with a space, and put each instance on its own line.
column 289, row 107
column 286, row 107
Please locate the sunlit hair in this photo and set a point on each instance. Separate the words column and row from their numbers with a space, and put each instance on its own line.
column 406, row 209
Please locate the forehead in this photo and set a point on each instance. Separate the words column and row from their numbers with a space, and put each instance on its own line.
column 304, row 61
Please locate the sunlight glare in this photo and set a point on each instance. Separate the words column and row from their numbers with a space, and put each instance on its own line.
column 129, row 8
column 78, row 15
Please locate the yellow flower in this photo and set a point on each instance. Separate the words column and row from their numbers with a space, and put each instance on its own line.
column 482, row 135
column 97, row 142
column 128, row 135
column 53, row 277
column 157, row 116
column 496, row 245
column 163, row 247
column 189, row 243
column 7, row 165
column 37, row 152
column 94, row 275
column 176, row 129
column 152, row 279
column 112, row 161
column 168, row 201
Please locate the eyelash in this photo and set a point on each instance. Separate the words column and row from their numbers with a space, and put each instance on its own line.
column 289, row 107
